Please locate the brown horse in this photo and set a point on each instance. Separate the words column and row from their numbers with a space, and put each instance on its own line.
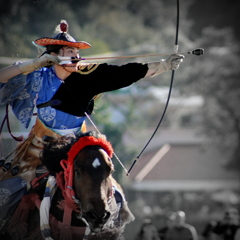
column 88, row 202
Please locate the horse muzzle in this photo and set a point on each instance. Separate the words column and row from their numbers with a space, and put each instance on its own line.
column 96, row 220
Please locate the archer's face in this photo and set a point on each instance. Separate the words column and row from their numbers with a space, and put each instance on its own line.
column 69, row 52
column 72, row 53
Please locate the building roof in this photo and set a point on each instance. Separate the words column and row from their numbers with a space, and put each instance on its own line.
column 183, row 165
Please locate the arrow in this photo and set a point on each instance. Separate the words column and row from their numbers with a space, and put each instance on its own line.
column 68, row 60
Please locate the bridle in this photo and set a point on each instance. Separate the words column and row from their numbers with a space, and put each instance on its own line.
column 68, row 165
column 66, row 179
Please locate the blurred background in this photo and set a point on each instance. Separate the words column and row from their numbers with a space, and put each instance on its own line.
column 193, row 162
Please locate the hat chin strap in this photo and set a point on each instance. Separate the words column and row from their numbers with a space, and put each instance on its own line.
column 65, row 66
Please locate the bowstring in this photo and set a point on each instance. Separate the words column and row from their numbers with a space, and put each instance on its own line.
column 96, row 128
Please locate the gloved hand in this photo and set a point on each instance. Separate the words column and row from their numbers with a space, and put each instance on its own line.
column 43, row 61
column 171, row 63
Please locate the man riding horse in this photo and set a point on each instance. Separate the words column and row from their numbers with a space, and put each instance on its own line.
column 64, row 93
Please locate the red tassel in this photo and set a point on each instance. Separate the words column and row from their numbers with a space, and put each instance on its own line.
column 64, row 26
column 69, row 201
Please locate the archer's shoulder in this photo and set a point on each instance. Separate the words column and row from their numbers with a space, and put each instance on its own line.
column 86, row 68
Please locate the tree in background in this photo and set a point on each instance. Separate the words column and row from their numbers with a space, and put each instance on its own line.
column 219, row 76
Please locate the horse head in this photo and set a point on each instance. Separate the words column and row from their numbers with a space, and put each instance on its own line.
column 93, row 185
column 88, row 180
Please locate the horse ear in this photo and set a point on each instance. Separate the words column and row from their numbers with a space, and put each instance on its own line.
column 64, row 164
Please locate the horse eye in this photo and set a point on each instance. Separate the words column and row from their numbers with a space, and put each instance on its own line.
column 77, row 172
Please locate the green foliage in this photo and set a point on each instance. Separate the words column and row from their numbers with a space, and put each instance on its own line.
column 104, row 24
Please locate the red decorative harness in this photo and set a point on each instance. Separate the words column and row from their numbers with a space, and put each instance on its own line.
column 68, row 165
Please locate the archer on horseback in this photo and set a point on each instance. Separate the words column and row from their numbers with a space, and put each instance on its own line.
column 63, row 89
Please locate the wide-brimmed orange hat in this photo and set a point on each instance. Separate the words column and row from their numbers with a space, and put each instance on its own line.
column 62, row 38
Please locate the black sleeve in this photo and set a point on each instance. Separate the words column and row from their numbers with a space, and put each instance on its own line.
column 74, row 96
column 111, row 77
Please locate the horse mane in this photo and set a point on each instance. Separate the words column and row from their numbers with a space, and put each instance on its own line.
column 57, row 149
